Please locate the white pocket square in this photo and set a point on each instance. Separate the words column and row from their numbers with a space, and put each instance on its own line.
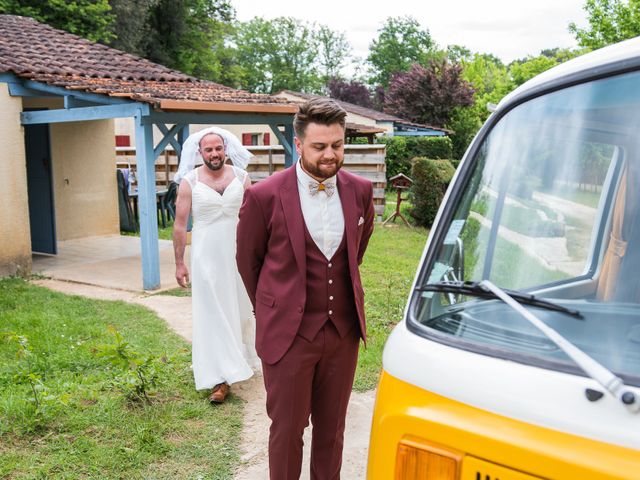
column 360, row 221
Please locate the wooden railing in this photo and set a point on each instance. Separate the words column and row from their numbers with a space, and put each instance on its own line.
column 368, row 161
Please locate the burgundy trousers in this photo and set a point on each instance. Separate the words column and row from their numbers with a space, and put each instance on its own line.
column 312, row 379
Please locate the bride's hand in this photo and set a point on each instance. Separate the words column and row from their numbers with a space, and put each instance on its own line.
column 182, row 275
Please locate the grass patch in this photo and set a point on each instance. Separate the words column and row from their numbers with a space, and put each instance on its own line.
column 176, row 292
column 85, row 426
column 163, row 233
column 391, row 199
column 387, row 272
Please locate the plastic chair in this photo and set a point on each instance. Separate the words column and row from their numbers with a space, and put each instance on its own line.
column 127, row 219
column 169, row 200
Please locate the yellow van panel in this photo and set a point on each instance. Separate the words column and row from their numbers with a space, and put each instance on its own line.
column 405, row 411
column 474, row 469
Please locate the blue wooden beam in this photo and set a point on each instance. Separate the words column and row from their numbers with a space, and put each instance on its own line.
column 62, row 92
column 145, row 160
column 291, row 157
column 282, row 139
column 169, row 137
column 419, row 134
column 183, row 134
column 82, row 114
column 72, row 102
column 17, row 90
column 8, row 77
column 217, row 118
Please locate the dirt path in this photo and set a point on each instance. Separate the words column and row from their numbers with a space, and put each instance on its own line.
column 176, row 311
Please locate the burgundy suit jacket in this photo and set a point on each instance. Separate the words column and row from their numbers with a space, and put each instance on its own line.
column 271, row 253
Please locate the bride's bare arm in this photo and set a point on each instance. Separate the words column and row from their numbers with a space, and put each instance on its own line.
column 183, row 208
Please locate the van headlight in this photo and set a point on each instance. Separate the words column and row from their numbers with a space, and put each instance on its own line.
column 418, row 459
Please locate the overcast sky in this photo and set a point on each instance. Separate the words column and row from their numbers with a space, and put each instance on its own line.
column 509, row 29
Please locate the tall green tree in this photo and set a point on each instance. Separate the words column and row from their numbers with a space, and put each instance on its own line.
column 129, row 27
column 190, row 36
column 458, row 53
column 523, row 70
column 287, row 54
column 490, row 80
column 401, row 42
column 610, row 21
column 333, row 52
column 276, row 55
column 90, row 19
column 527, row 68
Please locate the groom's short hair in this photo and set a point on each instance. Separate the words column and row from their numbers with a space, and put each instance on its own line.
column 324, row 111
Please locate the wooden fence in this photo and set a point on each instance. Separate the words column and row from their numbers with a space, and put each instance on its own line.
column 368, row 161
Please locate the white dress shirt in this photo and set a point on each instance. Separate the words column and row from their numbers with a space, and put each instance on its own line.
column 322, row 213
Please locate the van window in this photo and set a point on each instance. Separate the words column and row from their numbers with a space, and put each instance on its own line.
column 549, row 207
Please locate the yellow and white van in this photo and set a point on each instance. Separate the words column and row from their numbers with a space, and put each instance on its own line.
column 519, row 353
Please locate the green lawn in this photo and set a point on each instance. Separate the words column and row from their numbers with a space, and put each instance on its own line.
column 387, row 272
column 85, row 424
column 390, row 206
column 163, row 233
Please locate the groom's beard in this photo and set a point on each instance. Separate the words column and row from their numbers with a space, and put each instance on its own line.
column 212, row 166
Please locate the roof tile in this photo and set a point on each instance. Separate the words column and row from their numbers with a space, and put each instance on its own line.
column 364, row 111
column 36, row 51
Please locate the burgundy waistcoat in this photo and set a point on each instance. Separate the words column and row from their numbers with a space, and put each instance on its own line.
column 329, row 291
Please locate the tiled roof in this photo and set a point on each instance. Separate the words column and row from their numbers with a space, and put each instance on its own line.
column 362, row 129
column 36, row 51
column 363, row 111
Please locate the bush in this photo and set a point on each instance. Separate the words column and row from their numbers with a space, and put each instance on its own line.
column 430, row 181
column 397, row 159
column 429, row 147
column 400, row 151
column 358, row 141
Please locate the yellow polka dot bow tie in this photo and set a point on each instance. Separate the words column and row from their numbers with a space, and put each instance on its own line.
column 328, row 188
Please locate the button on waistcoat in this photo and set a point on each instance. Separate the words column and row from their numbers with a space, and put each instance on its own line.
column 329, row 291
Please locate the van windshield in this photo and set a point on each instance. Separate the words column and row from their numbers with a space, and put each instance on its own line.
column 549, row 206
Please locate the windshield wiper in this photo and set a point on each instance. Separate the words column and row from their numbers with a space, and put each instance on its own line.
column 598, row 372
column 477, row 289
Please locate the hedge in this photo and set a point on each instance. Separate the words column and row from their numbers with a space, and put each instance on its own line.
column 400, row 151
column 430, row 181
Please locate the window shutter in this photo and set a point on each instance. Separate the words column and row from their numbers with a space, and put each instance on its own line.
column 123, row 141
column 246, row 139
column 266, row 139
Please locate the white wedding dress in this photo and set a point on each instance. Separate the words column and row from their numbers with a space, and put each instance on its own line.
column 223, row 324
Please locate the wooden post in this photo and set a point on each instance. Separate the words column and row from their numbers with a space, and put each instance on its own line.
column 290, row 158
column 401, row 182
column 166, row 168
column 145, row 160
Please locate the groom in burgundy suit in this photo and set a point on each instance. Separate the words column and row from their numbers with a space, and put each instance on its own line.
column 301, row 237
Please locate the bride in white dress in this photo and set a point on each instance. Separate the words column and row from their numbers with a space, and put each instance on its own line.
column 223, row 350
